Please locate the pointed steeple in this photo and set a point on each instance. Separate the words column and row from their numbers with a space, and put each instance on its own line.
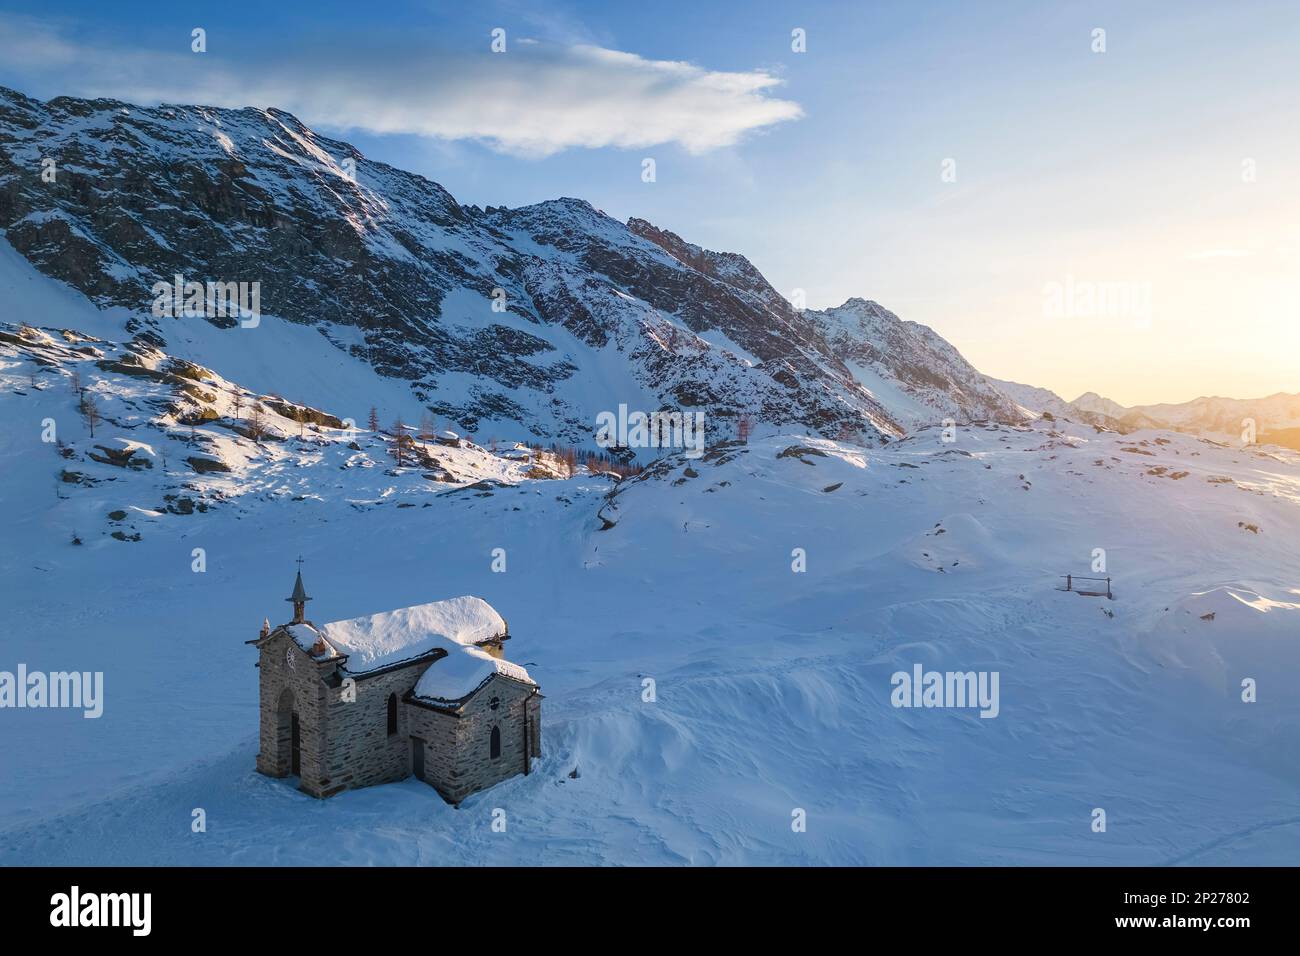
column 299, row 597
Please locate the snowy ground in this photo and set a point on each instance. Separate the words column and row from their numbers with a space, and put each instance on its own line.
column 772, row 687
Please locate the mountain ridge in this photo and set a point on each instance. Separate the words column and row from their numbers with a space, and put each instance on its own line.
column 1272, row 417
column 528, row 320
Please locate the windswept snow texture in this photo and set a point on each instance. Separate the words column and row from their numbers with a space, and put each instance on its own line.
column 772, row 687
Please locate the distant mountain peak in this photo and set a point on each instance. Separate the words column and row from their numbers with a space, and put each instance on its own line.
column 857, row 303
column 1092, row 402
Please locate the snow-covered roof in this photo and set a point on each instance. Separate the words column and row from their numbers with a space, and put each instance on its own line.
column 391, row 637
column 378, row 640
column 462, row 672
column 311, row 641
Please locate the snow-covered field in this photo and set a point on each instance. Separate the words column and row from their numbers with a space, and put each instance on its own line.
column 772, row 687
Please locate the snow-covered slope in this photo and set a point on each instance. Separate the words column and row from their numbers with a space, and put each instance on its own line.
column 771, row 686
column 1099, row 405
column 909, row 368
column 1034, row 400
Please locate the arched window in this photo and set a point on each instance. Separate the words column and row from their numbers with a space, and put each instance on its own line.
column 495, row 746
column 392, row 714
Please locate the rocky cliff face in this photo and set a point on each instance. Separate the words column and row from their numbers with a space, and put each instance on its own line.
column 918, row 374
column 528, row 320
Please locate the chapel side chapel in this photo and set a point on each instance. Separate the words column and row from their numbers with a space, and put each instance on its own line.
column 421, row 691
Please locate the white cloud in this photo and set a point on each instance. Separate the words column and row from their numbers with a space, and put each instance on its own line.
column 536, row 99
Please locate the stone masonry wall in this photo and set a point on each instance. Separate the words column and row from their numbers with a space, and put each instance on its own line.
column 304, row 680
column 475, row 768
column 361, row 751
column 440, row 733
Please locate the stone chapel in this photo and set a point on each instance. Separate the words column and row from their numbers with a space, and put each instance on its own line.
column 420, row 691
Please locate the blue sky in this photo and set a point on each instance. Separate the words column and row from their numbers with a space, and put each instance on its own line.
column 1155, row 182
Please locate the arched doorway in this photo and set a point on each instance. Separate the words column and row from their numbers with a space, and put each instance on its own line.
column 288, row 745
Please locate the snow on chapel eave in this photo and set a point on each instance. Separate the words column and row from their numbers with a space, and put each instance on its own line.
column 436, row 654
column 462, row 674
column 457, row 705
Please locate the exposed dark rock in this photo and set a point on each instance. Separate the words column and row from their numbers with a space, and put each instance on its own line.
column 799, row 451
column 304, row 413
column 207, row 465
column 120, row 457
